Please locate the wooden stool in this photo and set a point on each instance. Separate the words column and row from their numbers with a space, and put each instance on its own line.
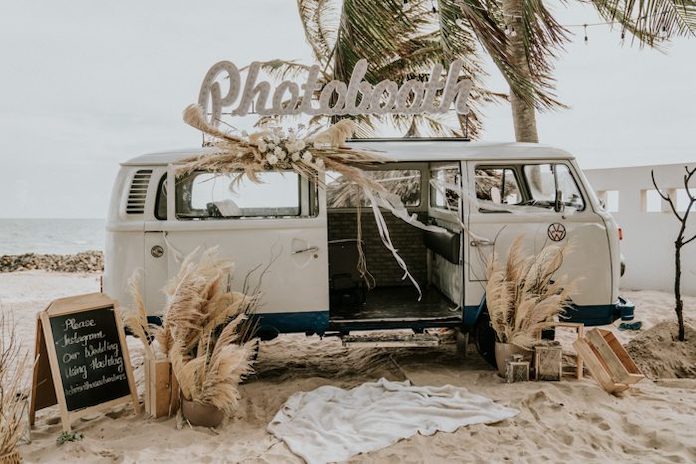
column 580, row 334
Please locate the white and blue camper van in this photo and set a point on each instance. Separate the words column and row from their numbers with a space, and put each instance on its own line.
column 307, row 235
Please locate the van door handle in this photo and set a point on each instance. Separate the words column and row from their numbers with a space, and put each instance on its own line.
column 481, row 243
column 306, row 250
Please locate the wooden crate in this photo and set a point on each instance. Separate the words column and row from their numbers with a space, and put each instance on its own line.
column 548, row 362
column 608, row 361
column 161, row 388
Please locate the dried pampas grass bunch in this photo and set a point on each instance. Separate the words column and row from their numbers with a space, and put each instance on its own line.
column 522, row 295
column 135, row 318
column 12, row 405
column 207, row 332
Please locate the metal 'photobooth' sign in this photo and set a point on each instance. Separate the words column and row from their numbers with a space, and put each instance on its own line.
column 436, row 95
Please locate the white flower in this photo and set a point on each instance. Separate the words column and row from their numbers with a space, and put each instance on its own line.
column 295, row 156
column 277, row 151
column 307, row 157
column 272, row 159
column 271, row 146
column 261, row 146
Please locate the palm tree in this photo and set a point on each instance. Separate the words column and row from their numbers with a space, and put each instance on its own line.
column 534, row 38
column 403, row 39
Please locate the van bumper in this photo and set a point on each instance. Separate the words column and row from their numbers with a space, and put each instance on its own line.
column 601, row 314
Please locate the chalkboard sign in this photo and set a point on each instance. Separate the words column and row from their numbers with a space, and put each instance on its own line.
column 92, row 367
column 82, row 358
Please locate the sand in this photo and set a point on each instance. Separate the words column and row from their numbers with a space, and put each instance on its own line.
column 569, row 421
column 659, row 354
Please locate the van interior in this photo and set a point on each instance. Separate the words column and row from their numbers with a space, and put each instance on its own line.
column 384, row 296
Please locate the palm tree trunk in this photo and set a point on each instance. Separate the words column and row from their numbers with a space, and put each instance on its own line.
column 523, row 113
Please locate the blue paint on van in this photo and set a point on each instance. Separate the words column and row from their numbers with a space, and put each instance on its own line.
column 271, row 324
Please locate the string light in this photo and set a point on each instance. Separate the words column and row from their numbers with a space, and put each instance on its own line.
column 511, row 32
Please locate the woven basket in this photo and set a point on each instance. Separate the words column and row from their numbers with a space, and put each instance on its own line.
column 12, row 458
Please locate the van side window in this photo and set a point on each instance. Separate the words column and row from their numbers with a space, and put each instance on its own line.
column 497, row 185
column 206, row 195
column 161, row 199
column 342, row 193
column 527, row 185
column 544, row 179
column 442, row 190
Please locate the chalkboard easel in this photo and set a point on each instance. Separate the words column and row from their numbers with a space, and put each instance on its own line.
column 82, row 361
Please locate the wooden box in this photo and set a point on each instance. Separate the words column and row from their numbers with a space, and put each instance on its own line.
column 608, row 361
column 517, row 371
column 161, row 388
column 548, row 362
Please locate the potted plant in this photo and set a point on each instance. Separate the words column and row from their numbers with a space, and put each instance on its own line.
column 208, row 337
column 522, row 295
column 209, row 380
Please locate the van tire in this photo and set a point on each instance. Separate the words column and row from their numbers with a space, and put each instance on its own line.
column 484, row 338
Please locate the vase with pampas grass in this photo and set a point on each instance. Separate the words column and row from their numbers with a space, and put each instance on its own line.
column 523, row 293
column 12, row 405
column 208, row 336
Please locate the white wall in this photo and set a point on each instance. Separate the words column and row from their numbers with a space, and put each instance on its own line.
column 648, row 244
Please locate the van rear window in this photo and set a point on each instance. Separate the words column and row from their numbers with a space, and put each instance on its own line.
column 205, row 195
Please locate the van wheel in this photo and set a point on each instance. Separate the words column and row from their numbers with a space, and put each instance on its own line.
column 484, row 337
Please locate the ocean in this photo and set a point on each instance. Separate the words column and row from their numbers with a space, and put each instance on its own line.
column 57, row 236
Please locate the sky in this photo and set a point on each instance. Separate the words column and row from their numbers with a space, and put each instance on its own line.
column 86, row 84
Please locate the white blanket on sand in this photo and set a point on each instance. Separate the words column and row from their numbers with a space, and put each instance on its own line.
column 332, row 424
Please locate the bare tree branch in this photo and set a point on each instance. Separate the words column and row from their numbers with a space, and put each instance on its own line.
column 664, row 196
column 690, row 240
column 687, row 179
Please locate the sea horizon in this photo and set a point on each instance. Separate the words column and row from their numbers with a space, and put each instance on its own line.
column 51, row 235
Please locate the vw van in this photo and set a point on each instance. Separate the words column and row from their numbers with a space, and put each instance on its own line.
column 302, row 241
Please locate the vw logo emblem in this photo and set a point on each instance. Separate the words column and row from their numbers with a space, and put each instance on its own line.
column 556, row 232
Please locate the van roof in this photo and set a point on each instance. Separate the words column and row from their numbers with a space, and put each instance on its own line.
column 403, row 150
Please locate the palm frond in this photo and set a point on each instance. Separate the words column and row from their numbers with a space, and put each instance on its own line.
column 289, row 69
column 651, row 21
column 317, row 17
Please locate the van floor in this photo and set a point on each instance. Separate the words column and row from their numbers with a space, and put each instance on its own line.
column 398, row 304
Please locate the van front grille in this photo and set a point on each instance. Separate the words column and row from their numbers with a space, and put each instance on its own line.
column 138, row 192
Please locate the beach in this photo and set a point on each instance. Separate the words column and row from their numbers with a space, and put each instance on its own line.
column 571, row 421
